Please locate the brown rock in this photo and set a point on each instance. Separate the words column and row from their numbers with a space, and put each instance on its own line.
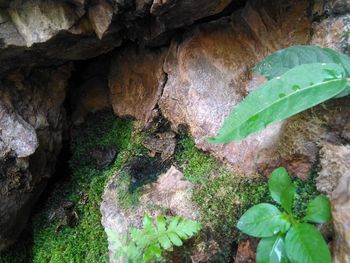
column 209, row 73
column 136, row 81
column 100, row 16
column 330, row 33
column 246, row 251
column 32, row 122
column 334, row 180
column 170, row 192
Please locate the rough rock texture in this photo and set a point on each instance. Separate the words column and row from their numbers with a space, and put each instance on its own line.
column 44, row 32
column 209, row 72
column 170, row 192
column 334, row 180
column 136, row 82
column 246, row 251
column 31, row 120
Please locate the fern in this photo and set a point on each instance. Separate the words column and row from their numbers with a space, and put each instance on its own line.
column 149, row 244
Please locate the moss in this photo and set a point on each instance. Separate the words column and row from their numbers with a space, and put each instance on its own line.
column 86, row 242
column 306, row 191
column 223, row 196
column 127, row 198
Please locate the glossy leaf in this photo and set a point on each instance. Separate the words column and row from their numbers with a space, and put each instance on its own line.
column 281, row 188
column 271, row 250
column 285, row 59
column 305, row 244
column 319, row 210
column 263, row 220
column 297, row 90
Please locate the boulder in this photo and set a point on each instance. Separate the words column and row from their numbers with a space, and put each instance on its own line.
column 48, row 32
column 136, row 82
column 334, row 180
column 209, row 73
column 32, row 121
column 169, row 193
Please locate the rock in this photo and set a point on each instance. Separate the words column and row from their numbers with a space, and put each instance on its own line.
column 330, row 33
column 340, row 6
column 164, row 144
column 32, row 122
column 170, row 192
column 100, row 16
column 48, row 32
column 246, row 251
column 334, row 180
column 136, row 81
column 209, row 73
column 335, row 163
column 103, row 155
column 38, row 21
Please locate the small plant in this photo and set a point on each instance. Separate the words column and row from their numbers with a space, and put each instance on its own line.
column 149, row 244
column 299, row 78
column 284, row 237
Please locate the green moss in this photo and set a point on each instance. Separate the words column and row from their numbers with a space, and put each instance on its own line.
column 223, row 196
column 196, row 165
column 126, row 198
column 86, row 242
column 306, row 191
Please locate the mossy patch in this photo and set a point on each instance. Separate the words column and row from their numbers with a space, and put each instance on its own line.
column 223, row 196
column 86, row 242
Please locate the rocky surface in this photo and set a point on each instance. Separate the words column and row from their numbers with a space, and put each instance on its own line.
column 50, row 32
column 32, row 121
column 246, row 251
column 136, row 82
column 334, row 180
column 179, row 59
column 209, row 73
column 170, row 193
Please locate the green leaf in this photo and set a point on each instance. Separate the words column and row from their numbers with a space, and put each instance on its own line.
column 175, row 239
column 319, row 210
column 305, row 244
column 271, row 250
column 263, row 220
column 281, row 188
column 152, row 252
column 165, row 241
column 161, row 224
column 188, row 228
column 283, row 60
column 297, row 90
column 173, row 223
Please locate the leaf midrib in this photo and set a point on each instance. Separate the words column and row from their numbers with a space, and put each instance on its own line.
column 290, row 95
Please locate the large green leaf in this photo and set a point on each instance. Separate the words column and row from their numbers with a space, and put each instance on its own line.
column 285, row 59
column 305, row 244
column 263, row 220
column 271, row 250
column 319, row 210
column 297, row 90
column 281, row 188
